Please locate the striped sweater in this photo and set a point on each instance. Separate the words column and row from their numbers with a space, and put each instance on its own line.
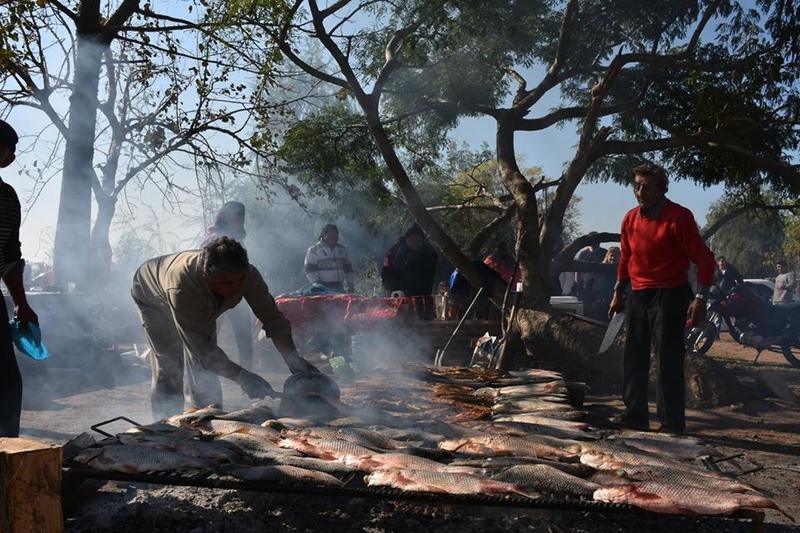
column 10, row 248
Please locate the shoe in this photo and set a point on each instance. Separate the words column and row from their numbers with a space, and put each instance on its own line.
column 670, row 430
column 629, row 421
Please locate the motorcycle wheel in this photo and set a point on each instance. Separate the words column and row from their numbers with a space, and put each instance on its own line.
column 791, row 351
column 701, row 338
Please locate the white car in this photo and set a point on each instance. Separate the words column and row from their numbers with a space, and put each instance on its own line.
column 767, row 284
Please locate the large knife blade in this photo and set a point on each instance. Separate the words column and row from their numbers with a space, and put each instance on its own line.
column 614, row 325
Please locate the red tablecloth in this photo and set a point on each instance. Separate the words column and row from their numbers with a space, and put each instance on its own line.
column 351, row 310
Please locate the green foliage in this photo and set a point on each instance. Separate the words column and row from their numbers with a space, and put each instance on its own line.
column 791, row 245
column 753, row 241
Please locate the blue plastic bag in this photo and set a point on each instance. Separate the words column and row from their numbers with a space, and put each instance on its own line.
column 28, row 341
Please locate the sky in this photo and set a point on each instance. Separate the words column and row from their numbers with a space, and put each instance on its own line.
column 601, row 208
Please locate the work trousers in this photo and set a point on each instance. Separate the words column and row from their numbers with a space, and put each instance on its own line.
column 168, row 358
column 10, row 380
column 656, row 319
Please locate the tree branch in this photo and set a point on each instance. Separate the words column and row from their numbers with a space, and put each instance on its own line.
column 730, row 215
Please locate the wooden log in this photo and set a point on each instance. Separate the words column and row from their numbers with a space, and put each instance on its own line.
column 30, row 486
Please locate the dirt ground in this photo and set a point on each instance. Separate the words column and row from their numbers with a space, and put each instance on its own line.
column 764, row 425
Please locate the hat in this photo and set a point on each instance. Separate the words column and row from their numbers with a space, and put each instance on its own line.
column 8, row 136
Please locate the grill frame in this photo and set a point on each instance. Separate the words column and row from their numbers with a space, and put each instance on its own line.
column 74, row 474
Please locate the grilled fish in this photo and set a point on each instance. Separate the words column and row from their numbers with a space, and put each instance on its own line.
column 193, row 414
column 662, row 474
column 218, row 427
column 505, row 462
column 439, row 482
column 542, row 421
column 312, row 463
column 545, row 478
column 197, row 448
column 402, row 461
column 505, row 445
column 680, row 499
column 536, row 373
column 139, row 459
column 256, row 448
column 255, row 414
column 522, row 429
column 533, row 407
column 675, row 448
column 328, row 449
column 552, row 388
column 362, row 437
column 282, row 473
column 610, row 455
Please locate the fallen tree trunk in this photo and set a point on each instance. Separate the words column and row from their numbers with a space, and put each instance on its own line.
column 569, row 344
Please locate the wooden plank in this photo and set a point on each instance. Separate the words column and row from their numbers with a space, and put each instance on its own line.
column 30, row 486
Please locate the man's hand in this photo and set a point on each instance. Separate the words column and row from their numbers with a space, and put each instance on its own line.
column 255, row 386
column 617, row 304
column 298, row 365
column 696, row 313
column 25, row 314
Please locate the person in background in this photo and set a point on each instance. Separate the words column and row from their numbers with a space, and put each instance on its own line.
column 409, row 266
column 179, row 298
column 785, row 284
column 327, row 262
column 659, row 239
column 229, row 222
column 726, row 276
column 604, row 283
column 12, row 267
column 584, row 281
column 502, row 262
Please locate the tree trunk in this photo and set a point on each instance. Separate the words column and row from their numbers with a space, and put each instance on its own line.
column 101, row 254
column 535, row 285
column 412, row 200
column 75, row 203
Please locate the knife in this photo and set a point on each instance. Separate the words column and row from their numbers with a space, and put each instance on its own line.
column 614, row 325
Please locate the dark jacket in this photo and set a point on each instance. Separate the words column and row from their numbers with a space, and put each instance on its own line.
column 407, row 271
column 728, row 280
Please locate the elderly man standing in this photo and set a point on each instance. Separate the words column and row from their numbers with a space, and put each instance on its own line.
column 659, row 239
column 179, row 297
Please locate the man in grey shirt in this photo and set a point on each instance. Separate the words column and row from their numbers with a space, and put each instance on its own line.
column 785, row 284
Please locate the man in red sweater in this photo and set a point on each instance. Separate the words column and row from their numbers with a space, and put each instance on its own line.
column 659, row 239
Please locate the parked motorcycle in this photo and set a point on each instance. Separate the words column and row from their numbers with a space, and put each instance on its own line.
column 752, row 321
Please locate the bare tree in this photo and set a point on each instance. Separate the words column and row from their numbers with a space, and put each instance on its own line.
column 155, row 95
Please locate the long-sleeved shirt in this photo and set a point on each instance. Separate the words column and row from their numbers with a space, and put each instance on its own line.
column 10, row 247
column 784, row 288
column 656, row 249
column 329, row 265
column 175, row 283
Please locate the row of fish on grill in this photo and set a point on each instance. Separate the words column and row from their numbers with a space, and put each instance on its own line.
column 533, row 444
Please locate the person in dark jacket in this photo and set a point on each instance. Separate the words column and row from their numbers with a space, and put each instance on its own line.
column 11, row 268
column 409, row 265
column 726, row 276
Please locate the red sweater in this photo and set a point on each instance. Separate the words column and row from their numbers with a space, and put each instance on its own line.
column 656, row 253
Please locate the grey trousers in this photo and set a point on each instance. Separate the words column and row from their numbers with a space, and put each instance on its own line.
column 10, row 380
column 168, row 360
